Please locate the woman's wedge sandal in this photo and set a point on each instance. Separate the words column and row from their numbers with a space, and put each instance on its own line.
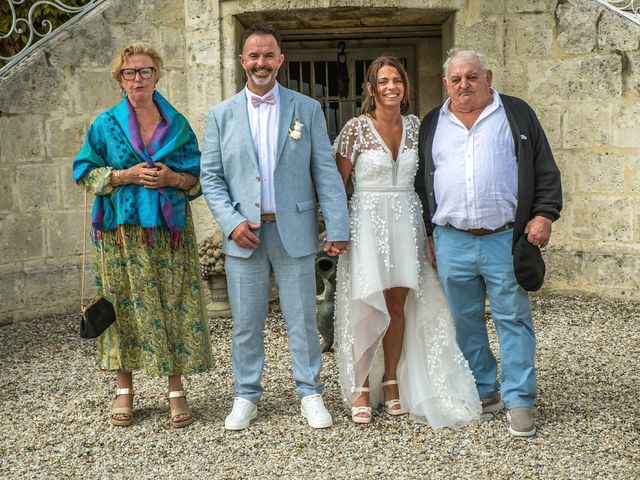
column 122, row 416
column 182, row 411
column 362, row 414
column 392, row 407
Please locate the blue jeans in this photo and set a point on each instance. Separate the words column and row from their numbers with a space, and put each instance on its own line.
column 470, row 266
column 249, row 285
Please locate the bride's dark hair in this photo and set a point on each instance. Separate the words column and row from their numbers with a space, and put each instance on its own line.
column 369, row 104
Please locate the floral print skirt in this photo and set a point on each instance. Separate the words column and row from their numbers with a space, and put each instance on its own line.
column 160, row 326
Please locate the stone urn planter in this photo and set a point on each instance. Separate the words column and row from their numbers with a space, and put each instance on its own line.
column 218, row 305
column 212, row 270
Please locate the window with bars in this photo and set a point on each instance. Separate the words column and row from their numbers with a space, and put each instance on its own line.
column 317, row 74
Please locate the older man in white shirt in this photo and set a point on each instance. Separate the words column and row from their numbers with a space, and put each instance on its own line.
column 487, row 177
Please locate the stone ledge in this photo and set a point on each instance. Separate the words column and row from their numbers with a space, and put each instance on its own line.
column 587, row 291
column 612, row 271
column 601, row 273
column 44, row 310
column 12, row 292
column 54, row 285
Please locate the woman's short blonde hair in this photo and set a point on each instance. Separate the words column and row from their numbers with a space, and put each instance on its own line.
column 136, row 49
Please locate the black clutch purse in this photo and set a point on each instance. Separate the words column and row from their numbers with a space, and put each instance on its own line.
column 96, row 318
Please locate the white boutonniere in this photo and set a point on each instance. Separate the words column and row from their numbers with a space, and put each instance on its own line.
column 295, row 131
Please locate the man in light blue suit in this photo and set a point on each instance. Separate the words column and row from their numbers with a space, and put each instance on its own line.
column 266, row 162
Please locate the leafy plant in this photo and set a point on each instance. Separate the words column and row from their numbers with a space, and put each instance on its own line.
column 44, row 15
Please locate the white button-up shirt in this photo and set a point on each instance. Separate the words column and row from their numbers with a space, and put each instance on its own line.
column 264, row 132
column 476, row 172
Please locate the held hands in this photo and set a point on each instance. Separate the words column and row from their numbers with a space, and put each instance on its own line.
column 335, row 248
column 244, row 237
column 538, row 231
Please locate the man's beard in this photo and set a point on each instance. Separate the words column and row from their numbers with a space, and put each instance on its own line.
column 262, row 81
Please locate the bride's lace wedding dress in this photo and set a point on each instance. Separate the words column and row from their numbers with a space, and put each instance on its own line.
column 387, row 249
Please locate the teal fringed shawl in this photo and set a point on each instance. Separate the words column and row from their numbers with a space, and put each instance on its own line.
column 114, row 140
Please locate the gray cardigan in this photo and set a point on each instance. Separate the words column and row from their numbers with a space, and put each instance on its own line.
column 539, row 186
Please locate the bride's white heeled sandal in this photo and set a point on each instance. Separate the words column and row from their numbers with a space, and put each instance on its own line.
column 392, row 407
column 362, row 414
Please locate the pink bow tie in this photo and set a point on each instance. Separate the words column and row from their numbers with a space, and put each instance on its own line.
column 269, row 98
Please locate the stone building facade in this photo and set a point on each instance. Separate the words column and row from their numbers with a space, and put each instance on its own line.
column 574, row 61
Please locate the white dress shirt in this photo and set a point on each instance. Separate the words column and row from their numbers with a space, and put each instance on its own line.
column 263, row 120
column 476, row 172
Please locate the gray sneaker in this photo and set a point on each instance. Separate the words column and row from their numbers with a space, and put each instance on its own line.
column 491, row 404
column 521, row 422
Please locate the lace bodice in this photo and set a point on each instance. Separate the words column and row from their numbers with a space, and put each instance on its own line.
column 373, row 164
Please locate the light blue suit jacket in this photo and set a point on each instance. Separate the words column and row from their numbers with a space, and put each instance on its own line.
column 305, row 174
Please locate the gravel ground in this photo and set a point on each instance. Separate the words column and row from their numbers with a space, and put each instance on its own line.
column 55, row 410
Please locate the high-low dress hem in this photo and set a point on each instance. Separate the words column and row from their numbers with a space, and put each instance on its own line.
column 388, row 249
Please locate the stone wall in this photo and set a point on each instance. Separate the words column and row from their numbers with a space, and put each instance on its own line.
column 45, row 110
column 575, row 62
column 579, row 65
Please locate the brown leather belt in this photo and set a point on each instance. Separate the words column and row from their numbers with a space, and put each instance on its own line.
column 267, row 217
column 479, row 232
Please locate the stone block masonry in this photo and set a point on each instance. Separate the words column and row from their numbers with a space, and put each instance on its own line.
column 577, row 64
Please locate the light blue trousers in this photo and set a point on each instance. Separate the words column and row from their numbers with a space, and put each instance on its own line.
column 249, row 285
column 470, row 266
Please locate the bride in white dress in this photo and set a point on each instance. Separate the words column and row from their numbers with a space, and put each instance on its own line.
column 395, row 338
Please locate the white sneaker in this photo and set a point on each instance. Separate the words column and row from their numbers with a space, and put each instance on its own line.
column 242, row 413
column 313, row 409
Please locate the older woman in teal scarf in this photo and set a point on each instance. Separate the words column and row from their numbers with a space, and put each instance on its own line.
column 141, row 161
